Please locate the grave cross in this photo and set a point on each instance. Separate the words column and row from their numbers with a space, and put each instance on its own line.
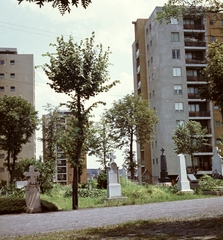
column 162, row 150
column 112, row 157
column 32, row 175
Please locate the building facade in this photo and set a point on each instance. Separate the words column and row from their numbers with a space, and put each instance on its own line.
column 17, row 78
column 167, row 59
column 64, row 171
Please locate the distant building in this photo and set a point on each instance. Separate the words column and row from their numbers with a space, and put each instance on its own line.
column 17, row 78
column 167, row 60
column 64, row 174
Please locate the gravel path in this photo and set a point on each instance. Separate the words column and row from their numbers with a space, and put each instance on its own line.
column 26, row 224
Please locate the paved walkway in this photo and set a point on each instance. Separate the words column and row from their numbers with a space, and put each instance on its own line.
column 25, row 224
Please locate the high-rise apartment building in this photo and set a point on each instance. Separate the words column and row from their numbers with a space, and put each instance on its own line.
column 17, row 78
column 64, row 172
column 167, row 59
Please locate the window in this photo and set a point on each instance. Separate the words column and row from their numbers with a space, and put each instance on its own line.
column 179, row 107
column 2, row 75
column 12, row 75
column 192, row 73
column 151, row 59
column 151, row 43
column 193, row 107
column 2, row 169
column 148, row 63
column 178, row 89
column 218, row 141
column 152, row 76
column 173, row 20
column 12, row 88
column 12, row 62
column 156, row 160
column 180, row 122
column 155, row 143
column 217, row 123
column 153, row 93
column 2, row 62
column 175, row 53
column 177, row 71
column 175, row 37
column 150, row 27
column 189, row 21
column 2, row 89
column 221, row 22
column 147, row 31
column 192, row 90
column 211, row 22
column 150, row 95
column 153, row 161
column 212, row 38
column 147, row 47
column 2, row 155
column 188, row 55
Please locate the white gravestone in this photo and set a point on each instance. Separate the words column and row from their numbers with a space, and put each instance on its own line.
column 183, row 183
column 32, row 192
column 113, row 186
column 217, row 162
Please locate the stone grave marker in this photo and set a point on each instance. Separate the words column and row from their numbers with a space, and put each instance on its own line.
column 163, row 167
column 193, row 180
column 183, row 182
column 32, row 192
column 20, row 184
column 217, row 165
column 113, row 186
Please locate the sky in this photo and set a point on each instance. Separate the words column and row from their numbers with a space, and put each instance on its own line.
column 31, row 29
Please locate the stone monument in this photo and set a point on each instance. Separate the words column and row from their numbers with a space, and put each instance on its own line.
column 217, row 165
column 183, row 183
column 163, row 167
column 32, row 192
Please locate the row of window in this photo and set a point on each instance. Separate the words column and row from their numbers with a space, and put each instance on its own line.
column 2, row 62
column 2, row 89
column 12, row 75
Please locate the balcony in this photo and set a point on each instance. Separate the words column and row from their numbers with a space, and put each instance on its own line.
column 196, row 61
column 138, row 70
column 200, row 114
column 193, row 96
column 194, row 79
column 195, row 43
column 194, row 26
column 139, row 85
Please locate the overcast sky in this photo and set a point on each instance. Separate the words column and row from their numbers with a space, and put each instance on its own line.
column 31, row 29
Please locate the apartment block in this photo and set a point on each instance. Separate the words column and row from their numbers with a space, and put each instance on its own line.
column 17, row 78
column 64, row 171
column 167, row 60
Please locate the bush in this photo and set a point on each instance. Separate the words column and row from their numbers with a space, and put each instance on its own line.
column 102, row 180
column 11, row 191
column 206, row 182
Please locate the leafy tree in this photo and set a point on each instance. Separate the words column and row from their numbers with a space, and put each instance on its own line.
column 81, row 72
column 101, row 142
column 63, row 5
column 46, row 170
column 213, row 75
column 102, row 180
column 131, row 119
column 18, row 121
column 192, row 9
column 190, row 139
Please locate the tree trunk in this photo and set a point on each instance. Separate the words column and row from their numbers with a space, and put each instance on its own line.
column 132, row 168
column 75, row 189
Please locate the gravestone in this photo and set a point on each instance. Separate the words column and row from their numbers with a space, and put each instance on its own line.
column 193, row 180
column 113, row 186
column 217, row 164
column 163, row 167
column 183, row 182
column 32, row 192
column 20, row 184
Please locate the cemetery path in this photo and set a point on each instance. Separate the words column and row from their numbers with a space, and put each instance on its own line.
column 26, row 224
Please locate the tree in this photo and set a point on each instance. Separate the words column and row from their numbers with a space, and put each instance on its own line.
column 128, row 118
column 63, row 5
column 18, row 121
column 81, row 72
column 190, row 139
column 213, row 75
column 46, row 170
column 101, row 142
column 192, row 9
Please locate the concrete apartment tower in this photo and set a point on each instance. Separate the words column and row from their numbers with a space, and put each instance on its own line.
column 17, row 78
column 167, row 59
column 64, row 172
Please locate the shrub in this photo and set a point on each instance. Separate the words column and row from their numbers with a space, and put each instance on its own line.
column 11, row 191
column 206, row 182
column 102, row 180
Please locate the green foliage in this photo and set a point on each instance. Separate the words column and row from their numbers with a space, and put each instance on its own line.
column 18, row 121
column 11, row 191
column 63, row 5
column 102, row 180
column 101, row 143
column 213, row 75
column 206, row 182
column 131, row 119
column 191, row 9
column 93, row 183
column 12, row 205
column 189, row 139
